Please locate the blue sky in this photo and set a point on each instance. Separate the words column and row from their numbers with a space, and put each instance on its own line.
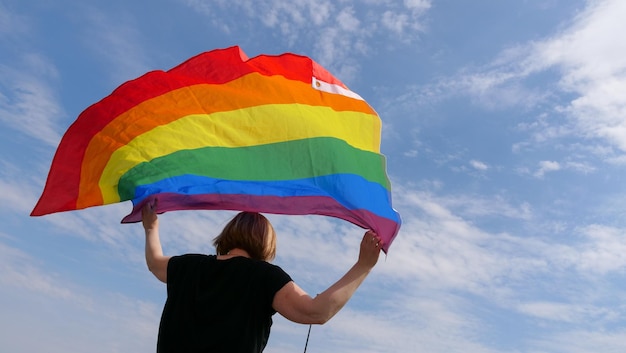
column 504, row 125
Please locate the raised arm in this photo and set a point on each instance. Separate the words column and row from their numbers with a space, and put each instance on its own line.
column 296, row 305
column 157, row 263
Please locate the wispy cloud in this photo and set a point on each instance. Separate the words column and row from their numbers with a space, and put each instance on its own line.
column 18, row 270
column 405, row 22
column 442, row 249
column 28, row 89
column 11, row 24
column 24, row 277
column 581, row 341
column 547, row 167
column 28, row 102
column 14, row 197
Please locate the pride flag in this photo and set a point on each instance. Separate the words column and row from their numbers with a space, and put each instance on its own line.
column 274, row 134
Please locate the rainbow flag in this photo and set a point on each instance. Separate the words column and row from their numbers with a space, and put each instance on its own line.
column 275, row 134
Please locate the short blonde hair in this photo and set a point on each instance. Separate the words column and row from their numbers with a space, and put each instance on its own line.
column 251, row 232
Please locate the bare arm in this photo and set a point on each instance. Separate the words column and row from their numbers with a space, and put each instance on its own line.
column 295, row 304
column 157, row 263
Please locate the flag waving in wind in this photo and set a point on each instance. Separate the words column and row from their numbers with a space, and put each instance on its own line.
column 275, row 134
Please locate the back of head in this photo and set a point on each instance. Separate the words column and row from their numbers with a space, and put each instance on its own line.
column 251, row 232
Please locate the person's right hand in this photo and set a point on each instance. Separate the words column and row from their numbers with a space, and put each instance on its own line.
column 370, row 249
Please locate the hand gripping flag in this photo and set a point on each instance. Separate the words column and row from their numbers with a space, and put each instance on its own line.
column 275, row 134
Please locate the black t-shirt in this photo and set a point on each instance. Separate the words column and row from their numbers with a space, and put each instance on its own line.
column 222, row 306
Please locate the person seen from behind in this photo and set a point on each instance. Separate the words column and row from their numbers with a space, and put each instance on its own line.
column 225, row 302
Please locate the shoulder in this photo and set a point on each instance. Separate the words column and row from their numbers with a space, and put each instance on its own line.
column 274, row 275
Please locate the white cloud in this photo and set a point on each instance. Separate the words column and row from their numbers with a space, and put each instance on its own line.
column 584, row 100
column 478, row 165
column 546, row 167
column 606, row 250
column 593, row 67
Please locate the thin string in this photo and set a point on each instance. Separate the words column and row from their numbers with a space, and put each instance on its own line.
column 307, row 338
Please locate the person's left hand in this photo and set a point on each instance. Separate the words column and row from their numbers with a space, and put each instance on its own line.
column 149, row 217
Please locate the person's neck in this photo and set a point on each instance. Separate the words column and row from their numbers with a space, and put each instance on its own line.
column 234, row 253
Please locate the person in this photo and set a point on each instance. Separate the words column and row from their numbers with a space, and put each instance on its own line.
column 225, row 302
